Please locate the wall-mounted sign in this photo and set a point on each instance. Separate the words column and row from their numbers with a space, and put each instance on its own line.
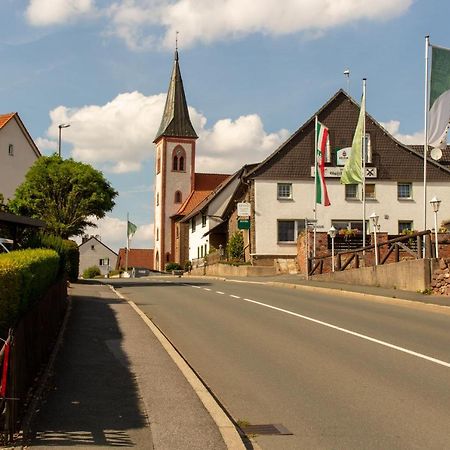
column 244, row 224
column 342, row 155
column 243, row 209
column 336, row 172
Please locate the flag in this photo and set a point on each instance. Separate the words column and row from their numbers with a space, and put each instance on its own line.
column 131, row 229
column 352, row 173
column 321, row 187
column 439, row 102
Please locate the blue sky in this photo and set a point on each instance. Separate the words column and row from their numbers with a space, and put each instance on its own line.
column 253, row 70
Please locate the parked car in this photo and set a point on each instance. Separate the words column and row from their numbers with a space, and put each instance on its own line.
column 5, row 245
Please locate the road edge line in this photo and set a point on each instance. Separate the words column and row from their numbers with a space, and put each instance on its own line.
column 227, row 429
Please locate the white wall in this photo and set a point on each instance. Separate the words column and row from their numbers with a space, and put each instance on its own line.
column 91, row 256
column 13, row 168
column 390, row 210
column 196, row 238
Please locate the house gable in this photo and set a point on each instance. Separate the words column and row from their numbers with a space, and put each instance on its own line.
column 394, row 161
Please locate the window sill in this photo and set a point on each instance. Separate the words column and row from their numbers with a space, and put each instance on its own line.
column 283, row 199
column 287, row 243
column 351, row 199
column 405, row 199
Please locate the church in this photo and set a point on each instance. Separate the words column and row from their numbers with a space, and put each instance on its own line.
column 178, row 188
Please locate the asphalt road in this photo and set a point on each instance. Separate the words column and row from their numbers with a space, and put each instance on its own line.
column 339, row 373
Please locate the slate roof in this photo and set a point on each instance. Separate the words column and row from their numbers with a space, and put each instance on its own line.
column 394, row 161
column 93, row 238
column 137, row 257
column 176, row 121
column 5, row 118
column 445, row 160
column 204, row 184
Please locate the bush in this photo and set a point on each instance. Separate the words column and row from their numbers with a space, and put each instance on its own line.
column 66, row 249
column 91, row 272
column 25, row 276
column 172, row 266
column 235, row 246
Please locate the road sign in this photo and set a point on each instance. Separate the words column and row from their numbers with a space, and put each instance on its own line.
column 244, row 224
column 243, row 209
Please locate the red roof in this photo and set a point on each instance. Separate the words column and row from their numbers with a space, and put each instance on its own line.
column 205, row 183
column 4, row 118
column 137, row 257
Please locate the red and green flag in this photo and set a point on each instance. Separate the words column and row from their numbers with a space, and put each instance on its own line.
column 321, row 187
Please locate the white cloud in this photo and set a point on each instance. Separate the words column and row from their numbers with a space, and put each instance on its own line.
column 138, row 22
column 113, row 233
column 55, row 12
column 393, row 127
column 117, row 137
column 46, row 145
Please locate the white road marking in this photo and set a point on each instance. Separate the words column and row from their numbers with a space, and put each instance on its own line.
column 219, row 292
column 207, row 289
column 353, row 333
column 234, row 296
column 196, row 287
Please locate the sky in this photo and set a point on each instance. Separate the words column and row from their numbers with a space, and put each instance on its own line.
column 253, row 70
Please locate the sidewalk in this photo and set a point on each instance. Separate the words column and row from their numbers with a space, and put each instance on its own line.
column 115, row 386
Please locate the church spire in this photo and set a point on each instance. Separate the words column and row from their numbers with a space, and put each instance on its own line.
column 176, row 121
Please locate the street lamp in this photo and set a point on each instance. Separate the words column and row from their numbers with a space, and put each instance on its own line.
column 60, row 126
column 332, row 234
column 374, row 219
column 435, row 203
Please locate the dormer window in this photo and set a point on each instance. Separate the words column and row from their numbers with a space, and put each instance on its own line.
column 178, row 159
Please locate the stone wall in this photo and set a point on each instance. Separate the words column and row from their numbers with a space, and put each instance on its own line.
column 440, row 281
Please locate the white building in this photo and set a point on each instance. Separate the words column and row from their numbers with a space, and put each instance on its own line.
column 18, row 152
column 93, row 252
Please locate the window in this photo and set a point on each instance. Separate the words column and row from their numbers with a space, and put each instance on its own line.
column 404, row 191
column 201, row 251
column 198, row 252
column 370, row 191
column 157, row 199
column 103, row 262
column 350, row 225
column 351, row 191
column 288, row 230
column 158, row 162
column 405, row 225
column 206, row 248
column 11, row 150
column 203, row 220
column 178, row 159
column 92, row 247
column 157, row 234
column 284, row 191
column 368, row 144
column 193, row 224
column 178, row 197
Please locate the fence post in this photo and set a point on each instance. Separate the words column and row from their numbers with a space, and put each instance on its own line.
column 338, row 261
column 419, row 240
column 428, row 246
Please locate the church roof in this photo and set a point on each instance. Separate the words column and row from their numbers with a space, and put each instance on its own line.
column 176, row 121
column 205, row 183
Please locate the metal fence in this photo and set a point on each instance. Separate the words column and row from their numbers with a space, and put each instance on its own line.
column 29, row 345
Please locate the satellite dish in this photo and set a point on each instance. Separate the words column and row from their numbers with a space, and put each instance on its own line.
column 436, row 153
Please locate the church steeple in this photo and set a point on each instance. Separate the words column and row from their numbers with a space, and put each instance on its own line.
column 176, row 121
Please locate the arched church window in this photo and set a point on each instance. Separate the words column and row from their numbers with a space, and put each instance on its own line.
column 178, row 197
column 178, row 159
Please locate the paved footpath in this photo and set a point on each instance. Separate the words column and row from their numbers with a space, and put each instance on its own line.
column 114, row 385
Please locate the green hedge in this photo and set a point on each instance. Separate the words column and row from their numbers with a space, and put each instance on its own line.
column 25, row 276
column 66, row 249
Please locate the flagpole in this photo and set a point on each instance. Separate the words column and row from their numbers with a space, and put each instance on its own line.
column 128, row 247
column 425, row 143
column 315, row 185
column 364, row 166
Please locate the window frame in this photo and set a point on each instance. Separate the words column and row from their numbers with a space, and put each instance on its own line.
column 374, row 196
column 11, row 149
column 179, row 159
column 348, row 197
column 299, row 226
column 404, row 222
column 193, row 225
column 404, row 183
column 204, row 218
column 280, row 186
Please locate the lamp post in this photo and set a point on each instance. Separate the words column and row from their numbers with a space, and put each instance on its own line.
column 60, row 126
column 435, row 203
column 332, row 234
column 374, row 219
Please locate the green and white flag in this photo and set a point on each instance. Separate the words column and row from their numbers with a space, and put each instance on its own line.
column 131, row 229
column 352, row 173
column 439, row 104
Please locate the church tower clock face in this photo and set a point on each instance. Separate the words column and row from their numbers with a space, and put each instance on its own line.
column 175, row 166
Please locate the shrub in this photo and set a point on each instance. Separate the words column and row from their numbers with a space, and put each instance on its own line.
column 172, row 266
column 66, row 249
column 25, row 276
column 235, row 246
column 91, row 272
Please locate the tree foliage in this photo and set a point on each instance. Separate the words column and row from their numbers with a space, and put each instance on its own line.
column 65, row 194
column 235, row 246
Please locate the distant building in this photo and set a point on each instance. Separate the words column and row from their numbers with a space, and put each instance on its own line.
column 138, row 258
column 93, row 252
column 18, row 152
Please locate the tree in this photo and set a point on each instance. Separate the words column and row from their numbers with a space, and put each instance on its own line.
column 65, row 194
column 235, row 246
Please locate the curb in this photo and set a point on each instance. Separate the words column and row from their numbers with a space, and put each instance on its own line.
column 226, row 427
